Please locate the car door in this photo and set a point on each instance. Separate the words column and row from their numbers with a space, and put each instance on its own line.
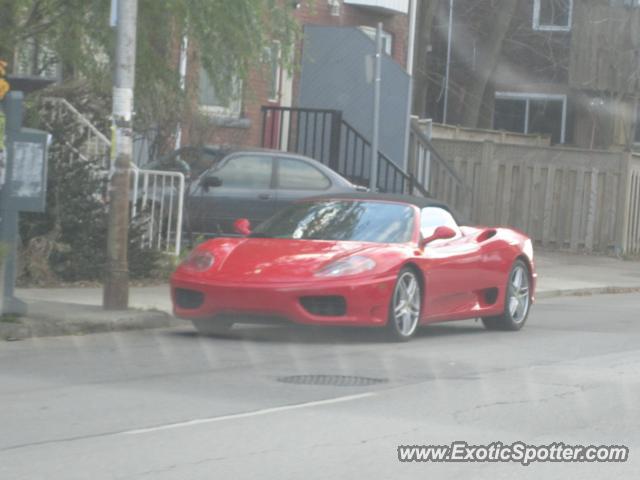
column 297, row 178
column 452, row 268
column 245, row 190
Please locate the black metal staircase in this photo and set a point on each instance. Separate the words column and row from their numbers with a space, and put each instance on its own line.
column 325, row 136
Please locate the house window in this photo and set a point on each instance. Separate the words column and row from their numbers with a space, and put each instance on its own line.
column 272, row 58
column 225, row 103
column 531, row 113
column 387, row 38
column 36, row 59
column 552, row 15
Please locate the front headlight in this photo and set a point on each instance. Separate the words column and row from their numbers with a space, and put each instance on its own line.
column 199, row 261
column 347, row 266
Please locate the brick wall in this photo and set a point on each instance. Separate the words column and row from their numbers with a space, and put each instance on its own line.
column 209, row 129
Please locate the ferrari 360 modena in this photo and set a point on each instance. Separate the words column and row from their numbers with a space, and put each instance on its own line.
column 361, row 259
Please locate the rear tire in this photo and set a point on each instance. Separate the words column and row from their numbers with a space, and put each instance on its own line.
column 212, row 327
column 405, row 306
column 517, row 302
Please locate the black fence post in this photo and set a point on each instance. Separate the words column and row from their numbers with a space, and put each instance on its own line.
column 264, row 126
column 334, row 140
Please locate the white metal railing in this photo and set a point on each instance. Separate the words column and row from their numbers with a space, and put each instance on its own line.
column 95, row 147
column 157, row 197
column 158, row 201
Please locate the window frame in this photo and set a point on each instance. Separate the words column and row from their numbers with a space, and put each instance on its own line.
column 234, row 110
column 277, row 86
column 309, row 164
column 536, row 25
column 47, row 63
column 527, row 97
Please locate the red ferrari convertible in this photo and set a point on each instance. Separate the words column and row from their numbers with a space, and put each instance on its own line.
column 360, row 259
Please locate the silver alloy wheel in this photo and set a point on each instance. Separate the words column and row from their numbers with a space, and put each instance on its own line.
column 519, row 298
column 406, row 304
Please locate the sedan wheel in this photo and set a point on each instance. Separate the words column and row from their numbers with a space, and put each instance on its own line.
column 517, row 301
column 404, row 311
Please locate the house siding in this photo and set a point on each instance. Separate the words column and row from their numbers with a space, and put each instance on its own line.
column 247, row 132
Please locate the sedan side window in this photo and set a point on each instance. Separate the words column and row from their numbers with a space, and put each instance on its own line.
column 246, row 172
column 434, row 217
column 298, row 175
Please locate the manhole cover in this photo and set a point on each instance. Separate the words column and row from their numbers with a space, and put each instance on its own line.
column 332, row 380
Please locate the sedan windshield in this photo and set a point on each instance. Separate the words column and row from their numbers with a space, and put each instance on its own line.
column 359, row 221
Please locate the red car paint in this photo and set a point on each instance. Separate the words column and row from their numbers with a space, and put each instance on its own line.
column 265, row 276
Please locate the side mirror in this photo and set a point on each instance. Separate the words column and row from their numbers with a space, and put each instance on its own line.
column 242, row 226
column 210, row 181
column 441, row 233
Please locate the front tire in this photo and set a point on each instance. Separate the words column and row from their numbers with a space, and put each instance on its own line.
column 212, row 327
column 405, row 306
column 517, row 303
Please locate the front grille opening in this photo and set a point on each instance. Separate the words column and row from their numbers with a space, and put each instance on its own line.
column 325, row 306
column 490, row 296
column 252, row 318
column 189, row 299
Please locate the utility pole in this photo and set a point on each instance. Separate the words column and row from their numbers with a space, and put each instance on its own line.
column 446, row 76
column 377, row 80
column 116, row 286
column 413, row 13
column 182, row 68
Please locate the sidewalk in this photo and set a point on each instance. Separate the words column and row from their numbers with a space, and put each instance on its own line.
column 59, row 311
column 571, row 274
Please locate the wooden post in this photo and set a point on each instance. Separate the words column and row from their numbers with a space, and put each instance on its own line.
column 624, row 205
column 488, row 182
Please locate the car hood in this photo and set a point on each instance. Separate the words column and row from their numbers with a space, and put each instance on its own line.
column 257, row 259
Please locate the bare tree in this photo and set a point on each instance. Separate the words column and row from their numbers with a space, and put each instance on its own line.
column 489, row 55
column 426, row 15
column 479, row 31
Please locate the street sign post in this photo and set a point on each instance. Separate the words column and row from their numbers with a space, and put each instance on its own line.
column 23, row 188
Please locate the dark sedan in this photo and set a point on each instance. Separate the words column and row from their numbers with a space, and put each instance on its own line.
column 254, row 184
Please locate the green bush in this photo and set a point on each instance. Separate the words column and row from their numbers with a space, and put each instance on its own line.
column 68, row 241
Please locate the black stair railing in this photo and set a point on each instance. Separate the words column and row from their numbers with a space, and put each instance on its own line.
column 324, row 135
column 438, row 176
column 308, row 131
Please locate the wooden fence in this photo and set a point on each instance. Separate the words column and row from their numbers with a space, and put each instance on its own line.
column 631, row 218
column 578, row 200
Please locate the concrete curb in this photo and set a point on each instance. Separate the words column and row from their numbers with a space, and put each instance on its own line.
column 53, row 319
column 50, row 319
column 583, row 292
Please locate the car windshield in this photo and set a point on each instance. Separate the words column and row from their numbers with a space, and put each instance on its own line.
column 361, row 221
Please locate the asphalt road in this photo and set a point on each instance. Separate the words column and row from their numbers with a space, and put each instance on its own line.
column 167, row 404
